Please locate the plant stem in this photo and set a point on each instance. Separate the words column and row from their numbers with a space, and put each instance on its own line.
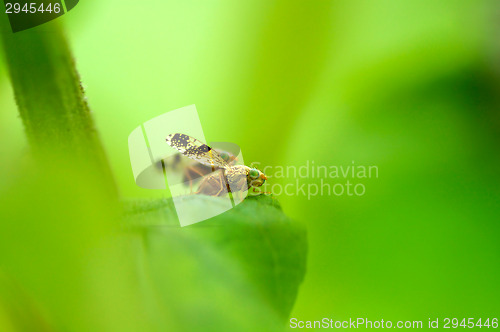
column 51, row 99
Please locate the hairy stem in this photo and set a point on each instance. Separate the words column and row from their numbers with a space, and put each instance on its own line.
column 50, row 98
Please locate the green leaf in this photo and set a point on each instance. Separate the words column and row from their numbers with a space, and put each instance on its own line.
column 252, row 256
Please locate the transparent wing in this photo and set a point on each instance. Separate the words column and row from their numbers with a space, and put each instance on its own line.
column 196, row 150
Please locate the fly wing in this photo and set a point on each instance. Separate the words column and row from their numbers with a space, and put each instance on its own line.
column 196, row 150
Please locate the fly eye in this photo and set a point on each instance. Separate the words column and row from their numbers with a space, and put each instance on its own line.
column 224, row 156
column 254, row 174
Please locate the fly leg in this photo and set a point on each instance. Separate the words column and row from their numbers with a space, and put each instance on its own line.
column 258, row 192
column 202, row 185
column 222, row 184
column 190, row 178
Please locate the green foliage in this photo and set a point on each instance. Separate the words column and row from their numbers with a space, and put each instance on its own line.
column 74, row 259
column 408, row 86
column 255, row 238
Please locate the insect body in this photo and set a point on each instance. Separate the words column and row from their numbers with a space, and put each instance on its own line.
column 225, row 177
column 189, row 169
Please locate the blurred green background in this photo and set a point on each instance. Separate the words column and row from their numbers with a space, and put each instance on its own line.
column 409, row 86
